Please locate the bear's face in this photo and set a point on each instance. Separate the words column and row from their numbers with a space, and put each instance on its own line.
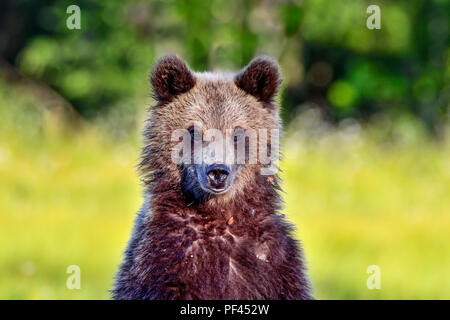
column 209, row 130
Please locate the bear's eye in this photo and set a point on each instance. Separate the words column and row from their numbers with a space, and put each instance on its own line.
column 196, row 135
column 238, row 134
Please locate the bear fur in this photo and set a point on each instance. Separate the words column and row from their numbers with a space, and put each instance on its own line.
column 191, row 244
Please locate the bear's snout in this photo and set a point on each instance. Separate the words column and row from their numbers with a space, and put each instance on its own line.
column 217, row 176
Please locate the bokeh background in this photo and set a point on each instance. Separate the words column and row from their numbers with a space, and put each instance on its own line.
column 366, row 163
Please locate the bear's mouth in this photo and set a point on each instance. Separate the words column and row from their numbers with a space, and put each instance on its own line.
column 215, row 190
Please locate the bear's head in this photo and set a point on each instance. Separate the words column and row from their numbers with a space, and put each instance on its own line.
column 212, row 134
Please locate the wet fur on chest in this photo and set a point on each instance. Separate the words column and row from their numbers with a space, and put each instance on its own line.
column 243, row 251
column 217, row 259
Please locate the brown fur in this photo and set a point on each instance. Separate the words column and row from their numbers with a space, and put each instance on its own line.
column 229, row 246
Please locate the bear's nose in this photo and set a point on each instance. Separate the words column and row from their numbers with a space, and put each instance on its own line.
column 217, row 175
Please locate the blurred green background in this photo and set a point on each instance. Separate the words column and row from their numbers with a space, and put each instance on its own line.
column 366, row 164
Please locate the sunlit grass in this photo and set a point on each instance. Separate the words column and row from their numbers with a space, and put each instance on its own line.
column 357, row 203
column 63, row 203
column 70, row 199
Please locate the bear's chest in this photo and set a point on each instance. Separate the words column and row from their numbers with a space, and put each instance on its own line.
column 225, row 241
column 227, row 259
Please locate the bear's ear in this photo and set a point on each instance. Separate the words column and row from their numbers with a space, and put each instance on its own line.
column 171, row 77
column 261, row 78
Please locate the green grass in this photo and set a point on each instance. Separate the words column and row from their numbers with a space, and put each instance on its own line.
column 69, row 198
column 358, row 204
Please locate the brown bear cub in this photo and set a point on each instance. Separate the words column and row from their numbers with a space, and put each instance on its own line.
column 211, row 229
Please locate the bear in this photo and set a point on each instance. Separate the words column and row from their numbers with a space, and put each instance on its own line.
column 211, row 230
